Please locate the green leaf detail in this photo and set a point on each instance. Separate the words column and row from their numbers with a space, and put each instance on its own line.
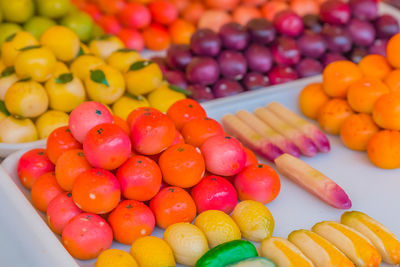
column 25, row 79
column 179, row 90
column 80, row 53
column 30, row 47
column 138, row 65
column 10, row 37
column 136, row 97
column 98, row 76
column 129, row 206
column 126, row 50
column 7, row 71
column 104, row 37
column 65, row 78
column 180, row 149
column 3, row 108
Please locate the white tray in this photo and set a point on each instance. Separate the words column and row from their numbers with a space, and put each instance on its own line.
column 372, row 190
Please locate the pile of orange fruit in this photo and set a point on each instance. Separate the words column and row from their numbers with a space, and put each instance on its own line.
column 361, row 103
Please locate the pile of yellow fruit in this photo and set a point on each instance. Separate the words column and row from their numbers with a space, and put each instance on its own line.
column 41, row 81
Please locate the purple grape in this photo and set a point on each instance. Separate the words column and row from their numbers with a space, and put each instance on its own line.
column 285, row 51
column 364, row 9
column 178, row 56
column 337, row 39
column 255, row 80
column 161, row 62
column 205, row 42
column 227, row 87
column 287, row 22
column 259, row 58
column 282, row 74
column 378, row 47
column 200, row 93
column 313, row 23
column 386, row 26
column 312, row 45
column 234, row 36
column 308, row 67
column 362, row 32
column 232, row 64
column 176, row 77
column 261, row 31
column 202, row 70
column 357, row 54
column 331, row 57
column 335, row 12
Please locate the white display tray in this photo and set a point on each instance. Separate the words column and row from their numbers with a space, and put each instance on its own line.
column 372, row 190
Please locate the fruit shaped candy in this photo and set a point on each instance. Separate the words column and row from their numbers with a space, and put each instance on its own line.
column 313, row 181
column 357, row 130
column 62, row 41
column 391, row 80
column 126, row 103
column 44, row 190
column 184, row 111
column 386, row 112
column 59, row 141
column 86, row 236
column 13, row 130
column 143, row 77
column 12, row 46
column 86, row 116
column 353, row 244
column 383, row 148
column 382, row 238
column 122, row 59
column 18, row 11
column 319, row 250
column 311, row 131
column 165, row 96
column 311, row 99
column 251, row 158
column 115, row 257
column 7, row 78
column 333, row 114
column 375, row 66
column 104, row 46
column 83, row 64
column 187, row 242
column 33, row 164
column 203, row 70
column 253, row 261
column 8, row 29
column 283, row 253
column 335, row 12
column 49, row 121
column 255, row 221
column 121, row 124
column 131, row 220
column 81, row 24
column 302, row 141
column 250, row 138
column 259, row 57
column 227, row 253
column 285, row 144
column 199, row 130
column 60, row 211
column 143, row 250
column 218, row 227
column 287, row 22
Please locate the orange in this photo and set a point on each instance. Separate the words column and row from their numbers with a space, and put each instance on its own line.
column 375, row 66
column 311, row 99
column 386, row 111
column 384, row 149
column 137, row 112
column 121, row 124
column 185, row 110
column 338, row 76
column 59, row 141
column 193, row 12
column 243, row 14
column 271, row 8
column 333, row 114
column 363, row 94
column 156, row 37
column 392, row 51
column 356, row 131
column 392, row 80
column 181, row 31
column 163, row 11
column 198, row 130
column 44, row 190
column 173, row 205
column 69, row 165
column 182, row 165
column 131, row 220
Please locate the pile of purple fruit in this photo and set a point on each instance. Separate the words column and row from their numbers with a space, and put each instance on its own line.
column 242, row 58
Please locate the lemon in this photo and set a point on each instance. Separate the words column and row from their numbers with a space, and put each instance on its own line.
column 124, row 105
column 7, row 78
column 26, row 99
column 143, row 77
column 115, row 258
column 49, row 121
column 60, row 68
column 122, row 59
column 105, row 46
column 13, row 130
column 164, row 97
column 151, row 251
column 17, row 11
column 35, row 62
column 12, row 45
column 105, row 84
column 82, row 65
column 254, row 219
column 187, row 241
column 64, row 43
column 217, row 226
column 65, row 92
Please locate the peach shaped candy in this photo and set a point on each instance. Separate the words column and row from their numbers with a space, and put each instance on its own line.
column 32, row 164
column 60, row 211
column 86, row 236
column 223, row 155
column 87, row 115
